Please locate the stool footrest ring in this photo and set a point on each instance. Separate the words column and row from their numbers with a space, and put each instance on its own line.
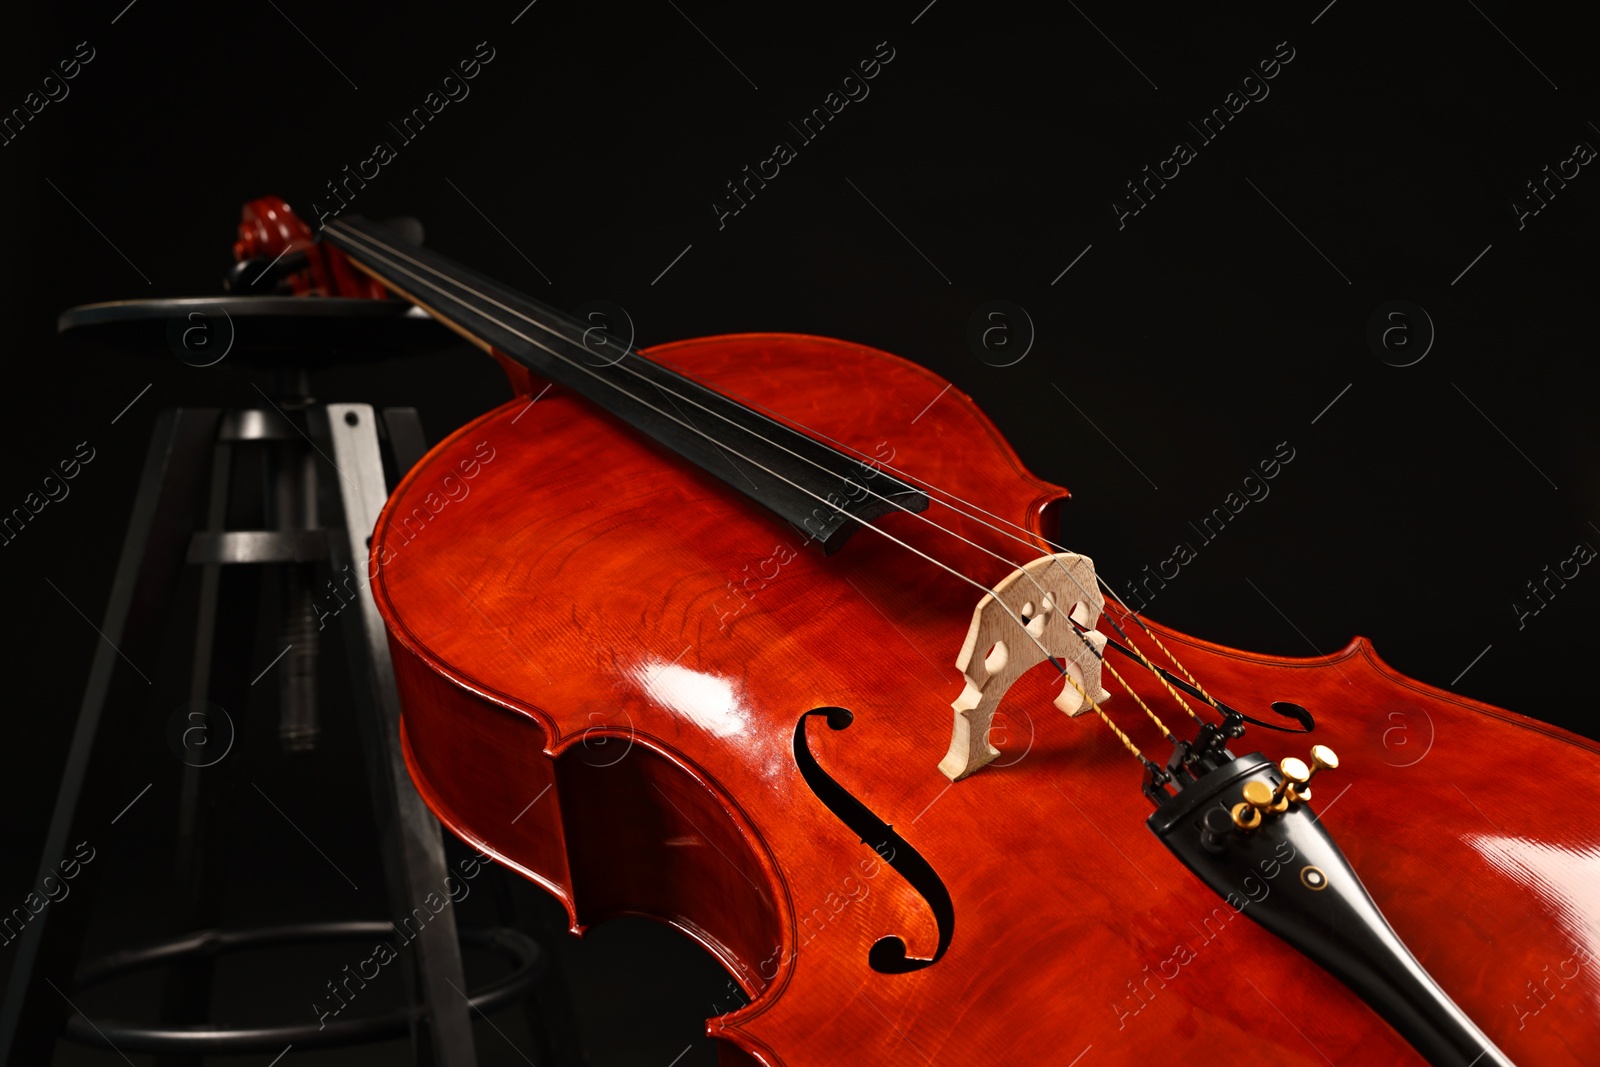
column 527, row 959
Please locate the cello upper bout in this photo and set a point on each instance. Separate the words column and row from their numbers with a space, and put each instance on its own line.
column 898, row 415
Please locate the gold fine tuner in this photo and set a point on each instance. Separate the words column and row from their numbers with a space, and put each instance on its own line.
column 1296, row 775
column 1257, row 802
column 1260, row 799
column 1296, row 784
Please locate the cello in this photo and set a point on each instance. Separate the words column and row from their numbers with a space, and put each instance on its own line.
column 674, row 629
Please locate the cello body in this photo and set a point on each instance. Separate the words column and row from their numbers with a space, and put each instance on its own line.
column 606, row 661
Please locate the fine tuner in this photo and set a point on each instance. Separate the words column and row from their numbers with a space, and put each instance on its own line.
column 1288, row 874
column 1260, row 799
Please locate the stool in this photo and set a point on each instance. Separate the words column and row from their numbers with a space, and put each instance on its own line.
column 180, row 516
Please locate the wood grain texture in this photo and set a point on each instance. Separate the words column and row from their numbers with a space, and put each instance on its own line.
column 603, row 657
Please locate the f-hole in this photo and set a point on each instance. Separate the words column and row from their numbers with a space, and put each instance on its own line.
column 888, row 954
column 1294, row 711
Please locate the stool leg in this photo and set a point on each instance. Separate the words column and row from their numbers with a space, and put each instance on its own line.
column 208, row 795
column 91, row 793
column 292, row 505
column 407, row 444
column 414, row 847
column 548, row 1010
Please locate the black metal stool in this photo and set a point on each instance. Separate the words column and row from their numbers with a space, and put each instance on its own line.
column 180, row 515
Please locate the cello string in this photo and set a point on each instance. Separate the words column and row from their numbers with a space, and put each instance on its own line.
column 1045, row 595
column 884, row 533
column 1207, row 697
column 367, row 240
column 1021, row 539
column 1140, row 701
column 347, row 232
column 671, row 393
column 868, row 461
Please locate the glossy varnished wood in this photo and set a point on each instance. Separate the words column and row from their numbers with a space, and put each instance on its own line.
column 603, row 658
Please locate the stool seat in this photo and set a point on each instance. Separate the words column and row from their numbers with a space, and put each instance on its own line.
column 262, row 331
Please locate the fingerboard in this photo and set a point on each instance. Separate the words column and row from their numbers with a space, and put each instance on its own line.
column 821, row 490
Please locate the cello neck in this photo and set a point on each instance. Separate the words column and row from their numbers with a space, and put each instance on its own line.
column 806, row 482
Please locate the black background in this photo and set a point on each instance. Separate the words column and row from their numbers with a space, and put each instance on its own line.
column 1221, row 320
